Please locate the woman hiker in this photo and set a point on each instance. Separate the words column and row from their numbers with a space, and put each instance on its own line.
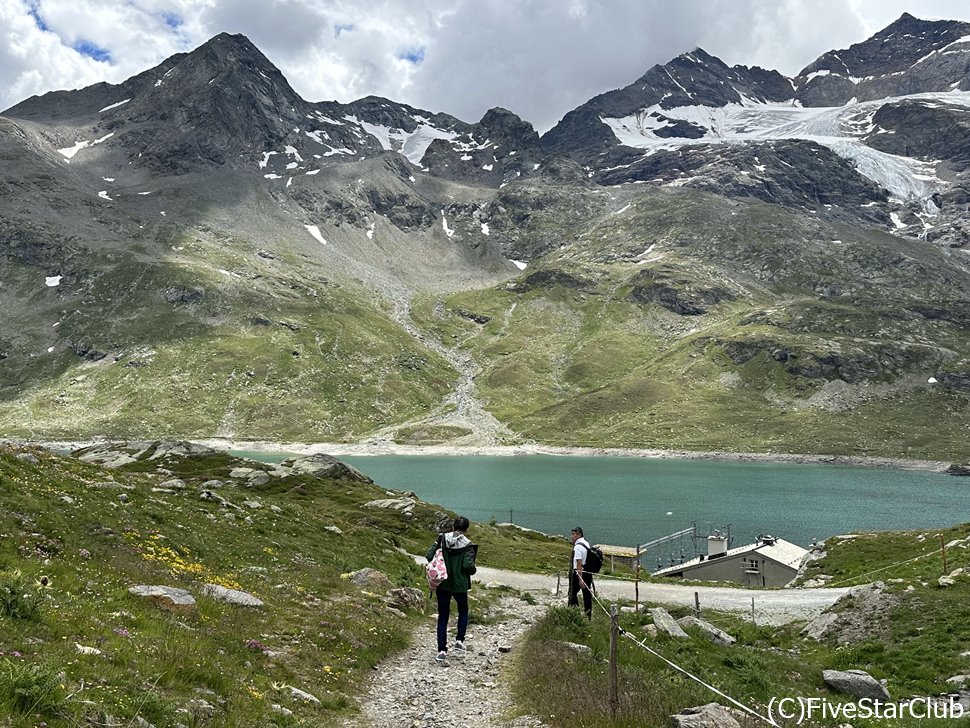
column 459, row 554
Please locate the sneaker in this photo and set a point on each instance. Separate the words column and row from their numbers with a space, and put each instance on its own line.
column 442, row 658
column 460, row 647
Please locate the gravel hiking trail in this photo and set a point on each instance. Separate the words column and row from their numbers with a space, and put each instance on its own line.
column 410, row 690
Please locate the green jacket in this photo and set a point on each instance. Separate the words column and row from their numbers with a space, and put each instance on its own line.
column 459, row 555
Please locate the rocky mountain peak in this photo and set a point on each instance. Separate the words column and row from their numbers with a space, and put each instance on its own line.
column 499, row 123
column 894, row 49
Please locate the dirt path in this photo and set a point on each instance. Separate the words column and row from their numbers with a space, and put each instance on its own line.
column 410, row 690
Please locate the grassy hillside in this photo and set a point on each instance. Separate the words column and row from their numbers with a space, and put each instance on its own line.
column 647, row 317
column 76, row 537
column 687, row 321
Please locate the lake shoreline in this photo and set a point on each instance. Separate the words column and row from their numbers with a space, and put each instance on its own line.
column 369, row 449
column 338, row 449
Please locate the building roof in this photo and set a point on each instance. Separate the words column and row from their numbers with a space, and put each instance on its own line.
column 780, row 551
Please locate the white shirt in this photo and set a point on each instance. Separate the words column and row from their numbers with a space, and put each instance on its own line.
column 580, row 549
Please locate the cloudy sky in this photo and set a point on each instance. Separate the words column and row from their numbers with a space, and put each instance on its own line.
column 539, row 58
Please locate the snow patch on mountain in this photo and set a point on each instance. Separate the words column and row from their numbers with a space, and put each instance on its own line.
column 412, row 145
column 838, row 128
column 114, row 106
column 315, row 232
column 444, row 225
column 69, row 152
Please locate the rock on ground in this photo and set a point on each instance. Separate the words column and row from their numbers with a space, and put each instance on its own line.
column 857, row 683
column 712, row 715
column 231, row 596
column 166, row 597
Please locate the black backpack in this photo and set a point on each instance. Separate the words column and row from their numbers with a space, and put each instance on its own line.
column 594, row 559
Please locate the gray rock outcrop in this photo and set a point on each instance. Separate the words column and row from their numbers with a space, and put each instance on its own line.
column 371, row 579
column 325, row 466
column 859, row 613
column 406, row 599
column 231, row 596
column 712, row 715
column 405, row 505
column 166, row 597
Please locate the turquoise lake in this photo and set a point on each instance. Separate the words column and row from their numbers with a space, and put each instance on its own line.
column 625, row 501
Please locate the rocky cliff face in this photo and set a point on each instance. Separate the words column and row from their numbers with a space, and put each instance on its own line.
column 909, row 56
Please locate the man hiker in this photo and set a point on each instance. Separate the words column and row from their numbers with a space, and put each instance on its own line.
column 579, row 578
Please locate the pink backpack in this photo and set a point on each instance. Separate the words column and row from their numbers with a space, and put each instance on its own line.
column 436, row 570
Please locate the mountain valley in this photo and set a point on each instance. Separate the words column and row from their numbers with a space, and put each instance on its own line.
column 713, row 258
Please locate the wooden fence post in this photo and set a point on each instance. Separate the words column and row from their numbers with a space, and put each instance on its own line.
column 636, row 587
column 943, row 549
column 614, row 671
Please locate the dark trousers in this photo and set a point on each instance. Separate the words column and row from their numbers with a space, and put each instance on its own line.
column 587, row 594
column 444, row 612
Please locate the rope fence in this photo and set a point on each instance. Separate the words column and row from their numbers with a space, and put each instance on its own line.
column 616, row 630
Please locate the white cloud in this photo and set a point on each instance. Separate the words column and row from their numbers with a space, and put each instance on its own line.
column 538, row 58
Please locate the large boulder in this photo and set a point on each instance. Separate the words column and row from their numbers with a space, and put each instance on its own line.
column 857, row 683
column 181, row 448
column 405, row 505
column 325, row 466
column 859, row 614
column 371, row 579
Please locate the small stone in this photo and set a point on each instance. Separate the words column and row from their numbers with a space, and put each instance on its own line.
column 27, row 457
column 123, row 498
column 304, row 696
column 277, row 510
column 504, row 648
column 712, row 715
column 334, row 529
column 714, row 634
column 578, row 648
column 231, row 596
column 84, row 650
